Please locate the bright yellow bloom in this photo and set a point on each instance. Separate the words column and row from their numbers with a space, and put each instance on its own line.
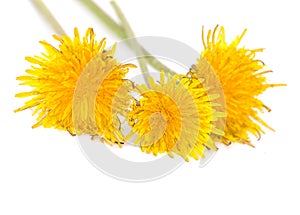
column 78, row 87
column 173, row 116
column 242, row 78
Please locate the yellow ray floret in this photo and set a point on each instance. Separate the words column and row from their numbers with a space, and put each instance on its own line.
column 242, row 78
column 78, row 87
column 173, row 115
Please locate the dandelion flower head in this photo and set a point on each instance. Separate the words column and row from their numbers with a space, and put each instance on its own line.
column 173, row 115
column 77, row 82
column 243, row 79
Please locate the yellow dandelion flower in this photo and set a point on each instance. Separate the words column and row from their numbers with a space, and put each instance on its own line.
column 173, row 116
column 78, row 87
column 242, row 78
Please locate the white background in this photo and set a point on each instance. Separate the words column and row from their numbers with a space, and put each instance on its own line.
column 44, row 172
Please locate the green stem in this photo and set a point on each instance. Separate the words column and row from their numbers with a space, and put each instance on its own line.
column 119, row 31
column 105, row 18
column 45, row 12
column 134, row 44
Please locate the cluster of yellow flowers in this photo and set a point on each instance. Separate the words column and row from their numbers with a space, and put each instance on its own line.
column 80, row 87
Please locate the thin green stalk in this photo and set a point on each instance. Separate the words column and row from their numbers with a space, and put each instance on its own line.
column 105, row 18
column 45, row 12
column 134, row 44
column 119, row 31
